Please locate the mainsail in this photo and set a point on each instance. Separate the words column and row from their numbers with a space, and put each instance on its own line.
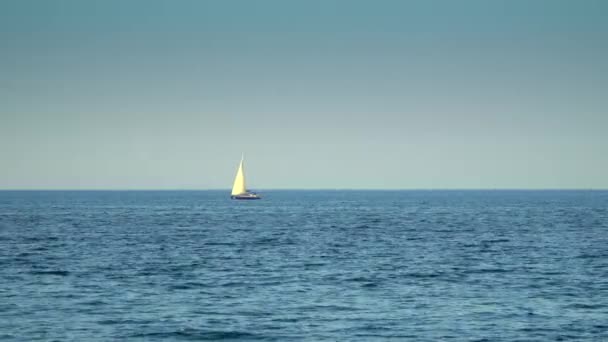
column 239, row 181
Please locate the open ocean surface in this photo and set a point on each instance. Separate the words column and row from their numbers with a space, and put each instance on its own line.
column 304, row 266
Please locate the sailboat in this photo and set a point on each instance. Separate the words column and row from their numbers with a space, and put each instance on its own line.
column 239, row 190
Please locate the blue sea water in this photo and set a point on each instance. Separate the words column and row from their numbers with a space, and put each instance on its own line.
column 304, row 266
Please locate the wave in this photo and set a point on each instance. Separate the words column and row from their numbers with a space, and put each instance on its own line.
column 587, row 306
column 188, row 286
column 58, row 273
column 488, row 270
column 198, row 335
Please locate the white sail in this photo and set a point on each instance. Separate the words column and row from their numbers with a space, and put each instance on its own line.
column 239, row 181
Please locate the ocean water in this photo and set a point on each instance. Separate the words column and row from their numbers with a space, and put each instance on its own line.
column 304, row 266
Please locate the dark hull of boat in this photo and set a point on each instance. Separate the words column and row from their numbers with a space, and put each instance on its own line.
column 246, row 197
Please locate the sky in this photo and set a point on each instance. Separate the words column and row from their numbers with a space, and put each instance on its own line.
column 330, row 94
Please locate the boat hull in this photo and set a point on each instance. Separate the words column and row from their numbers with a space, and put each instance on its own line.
column 246, row 197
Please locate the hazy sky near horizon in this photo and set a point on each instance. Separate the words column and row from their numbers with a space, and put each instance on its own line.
column 316, row 93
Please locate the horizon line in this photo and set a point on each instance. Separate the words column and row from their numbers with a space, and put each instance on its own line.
column 307, row 189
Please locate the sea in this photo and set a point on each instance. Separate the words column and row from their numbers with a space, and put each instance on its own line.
column 429, row 265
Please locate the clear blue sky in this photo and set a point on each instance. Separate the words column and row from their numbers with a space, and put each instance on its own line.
column 316, row 93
